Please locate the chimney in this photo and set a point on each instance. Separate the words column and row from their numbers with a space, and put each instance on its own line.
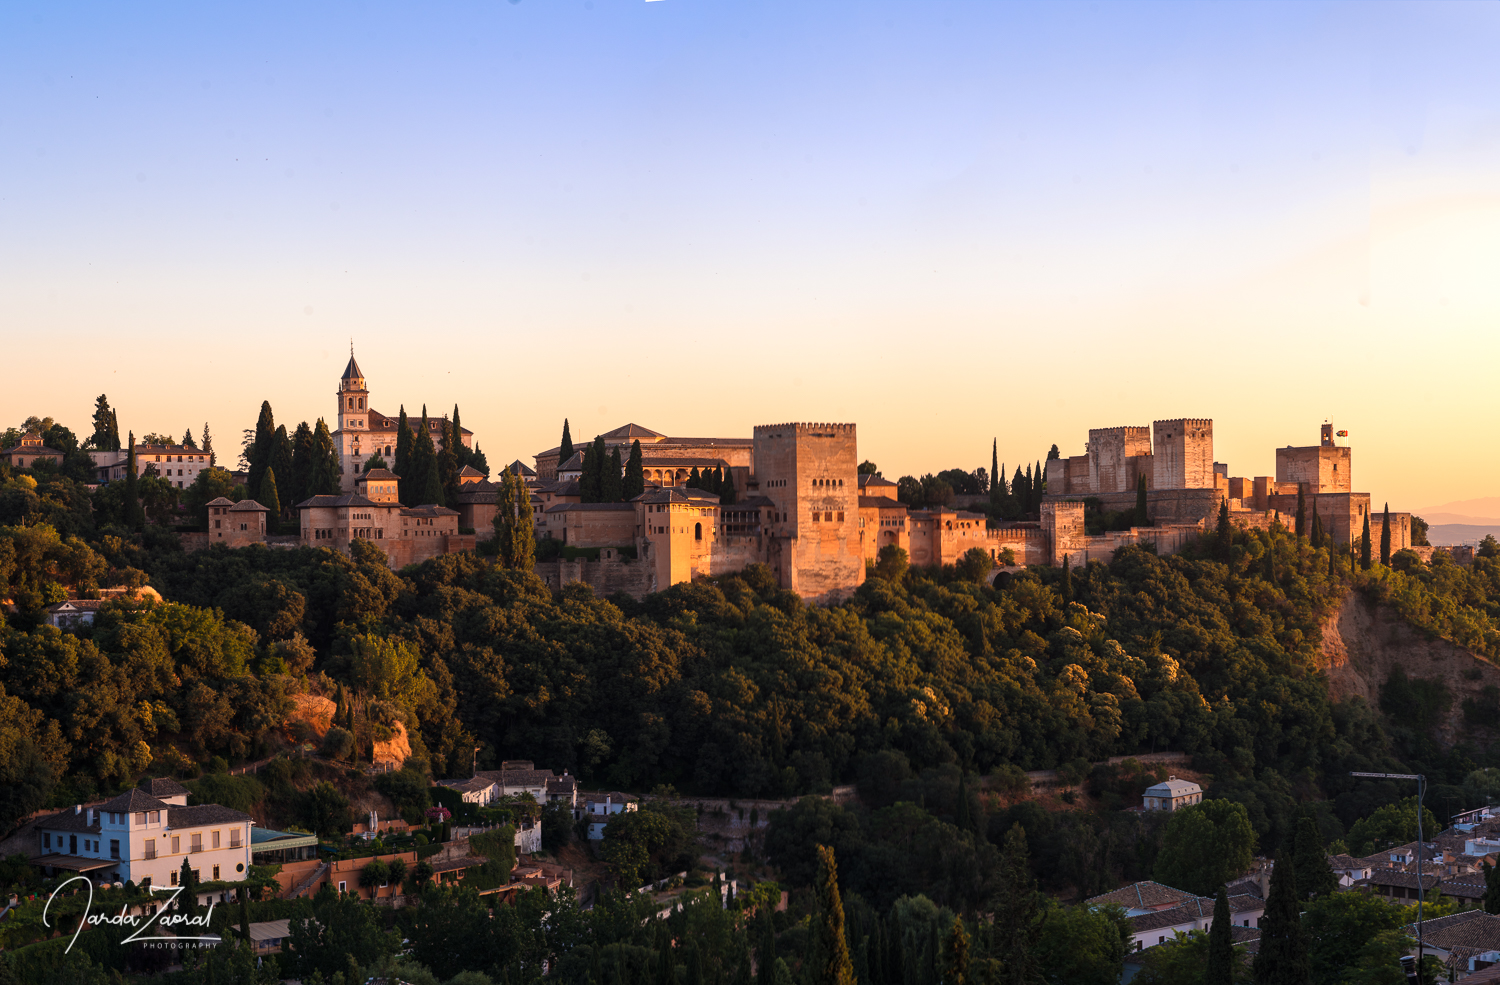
column 77, row 808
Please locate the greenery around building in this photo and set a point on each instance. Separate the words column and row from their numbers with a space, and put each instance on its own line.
column 930, row 691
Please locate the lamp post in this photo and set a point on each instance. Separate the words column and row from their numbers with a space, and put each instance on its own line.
column 1421, row 846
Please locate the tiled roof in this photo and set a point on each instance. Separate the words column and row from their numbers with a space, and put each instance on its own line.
column 1144, row 894
column 666, row 461
column 248, row 506
column 569, row 488
column 347, row 499
column 709, row 442
column 573, row 464
column 470, row 785
column 134, row 800
column 1244, row 902
column 880, row 502
column 462, row 862
column 1243, row 887
column 1173, row 788
column 675, row 494
column 750, row 502
column 351, row 371
column 163, row 786
column 866, row 480
column 466, row 470
column 193, row 817
column 1395, row 877
column 521, row 468
column 168, row 450
column 631, row 431
column 1190, row 912
column 220, row 501
column 428, row 509
column 561, row 784
column 384, row 474
column 592, row 507
column 75, row 605
column 1467, row 929
column 518, row 778
column 68, row 820
column 31, row 450
column 1463, row 889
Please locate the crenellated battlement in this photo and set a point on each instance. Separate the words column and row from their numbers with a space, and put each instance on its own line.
column 1127, row 430
column 1185, row 422
column 804, row 427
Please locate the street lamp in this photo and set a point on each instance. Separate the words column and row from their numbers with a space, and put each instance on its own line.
column 1421, row 846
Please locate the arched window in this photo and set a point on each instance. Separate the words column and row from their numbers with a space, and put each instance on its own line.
column 697, row 531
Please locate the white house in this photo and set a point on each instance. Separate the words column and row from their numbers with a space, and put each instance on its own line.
column 600, row 808
column 140, row 838
column 1157, row 912
column 1171, row 794
column 477, row 790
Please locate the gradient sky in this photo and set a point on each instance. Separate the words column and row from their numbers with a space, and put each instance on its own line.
column 941, row 221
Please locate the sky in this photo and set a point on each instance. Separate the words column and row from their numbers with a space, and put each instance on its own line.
column 947, row 223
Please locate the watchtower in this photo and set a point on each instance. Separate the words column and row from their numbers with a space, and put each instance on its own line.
column 1183, row 453
column 810, row 473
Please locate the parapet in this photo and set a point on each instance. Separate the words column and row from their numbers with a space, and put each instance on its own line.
column 802, row 427
column 1128, row 430
column 1186, row 422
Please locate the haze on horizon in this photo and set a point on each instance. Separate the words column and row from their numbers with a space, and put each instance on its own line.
column 942, row 222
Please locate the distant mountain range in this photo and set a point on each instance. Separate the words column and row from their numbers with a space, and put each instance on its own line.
column 1465, row 521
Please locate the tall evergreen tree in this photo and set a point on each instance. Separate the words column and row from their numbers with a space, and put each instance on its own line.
column 1317, row 530
column 1283, row 950
column 727, row 493
column 1301, row 508
column 1220, row 968
column 1017, row 913
column 207, row 447
column 694, row 480
column 402, row 465
column 1385, row 536
column 187, row 439
column 260, row 449
column 447, row 464
column 244, row 914
column 694, row 958
column 304, row 455
column 1142, row 516
column 997, row 479
column 135, row 517
column 1333, row 558
column 765, row 946
column 187, row 900
column 565, row 447
column 1364, row 544
column 634, row 482
column 1491, row 888
column 1038, row 489
column 963, row 817
column 611, row 488
column 1226, row 531
column 1067, row 580
column 271, row 501
column 324, row 479
column 281, row 459
column 834, row 966
column 956, row 955
column 666, row 965
column 106, row 436
column 1314, row 875
column 461, row 454
column 427, row 482
column 588, row 477
column 515, row 526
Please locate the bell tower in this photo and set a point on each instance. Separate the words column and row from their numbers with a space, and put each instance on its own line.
column 354, row 398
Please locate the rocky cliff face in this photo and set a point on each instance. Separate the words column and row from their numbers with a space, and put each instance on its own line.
column 1362, row 643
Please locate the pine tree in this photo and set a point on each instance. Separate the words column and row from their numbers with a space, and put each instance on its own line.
column 106, row 435
column 135, row 517
column 1314, row 875
column 207, row 447
column 271, row 501
column 324, row 479
column 1226, row 532
column 187, row 439
column 611, row 488
column 1301, row 508
column 402, row 466
column 304, row 454
column 635, row 477
column 260, row 450
column 1283, row 951
column 565, row 447
column 1017, row 911
column 447, row 465
column 765, row 948
column 1220, row 969
column 956, row 955
column 834, row 966
column 1385, row 536
column 1142, row 516
column 1364, row 545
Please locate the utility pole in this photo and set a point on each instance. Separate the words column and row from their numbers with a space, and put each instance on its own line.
column 1421, row 846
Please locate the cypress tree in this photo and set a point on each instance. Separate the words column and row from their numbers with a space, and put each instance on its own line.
column 611, row 489
column 187, row 439
column 1333, row 558
column 260, row 450
column 634, row 482
column 1018, row 493
column 304, row 452
column 245, row 915
column 765, row 949
column 1270, row 573
column 1317, row 531
column 135, row 517
column 727, row 494
column 666, row 967
column 596, row 965
column 694, row 966
column 694, row 481
column 963, row 819
column 271, row 501
column 565, row 447
column 1017, row 908
column 997, row 479
column 588, row 489
column 515, row 526
column 460, row 453
column 447, row 465
column 402, row 465
column 1142, row 518
column 1385, row 536
column 1220, row 969
column 428, row 482
column 1067, row 581
column 834, row 966
column 207, row 447
column 956, row 955
column 1301, row 508
column 1314, row 875
column 1283, row 951
column 325, row 471
column 281, row 457
column 1226, row 532
column 1491, row 888
column 601, row 463
column 1364, row 544
column 187, row 900
column 106, row 432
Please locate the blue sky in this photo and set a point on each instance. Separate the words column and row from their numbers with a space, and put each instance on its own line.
column 943, row 222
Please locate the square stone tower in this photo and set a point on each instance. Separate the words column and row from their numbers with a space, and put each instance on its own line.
column 1109, row 449
column 810, row 473
column 1183, row 456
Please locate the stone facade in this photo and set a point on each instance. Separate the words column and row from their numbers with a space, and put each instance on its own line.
column 28, row 451
column 1183, row 454
column 236, row 524
column 407, row 535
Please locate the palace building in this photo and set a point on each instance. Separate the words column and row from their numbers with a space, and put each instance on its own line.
column 363, row 431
